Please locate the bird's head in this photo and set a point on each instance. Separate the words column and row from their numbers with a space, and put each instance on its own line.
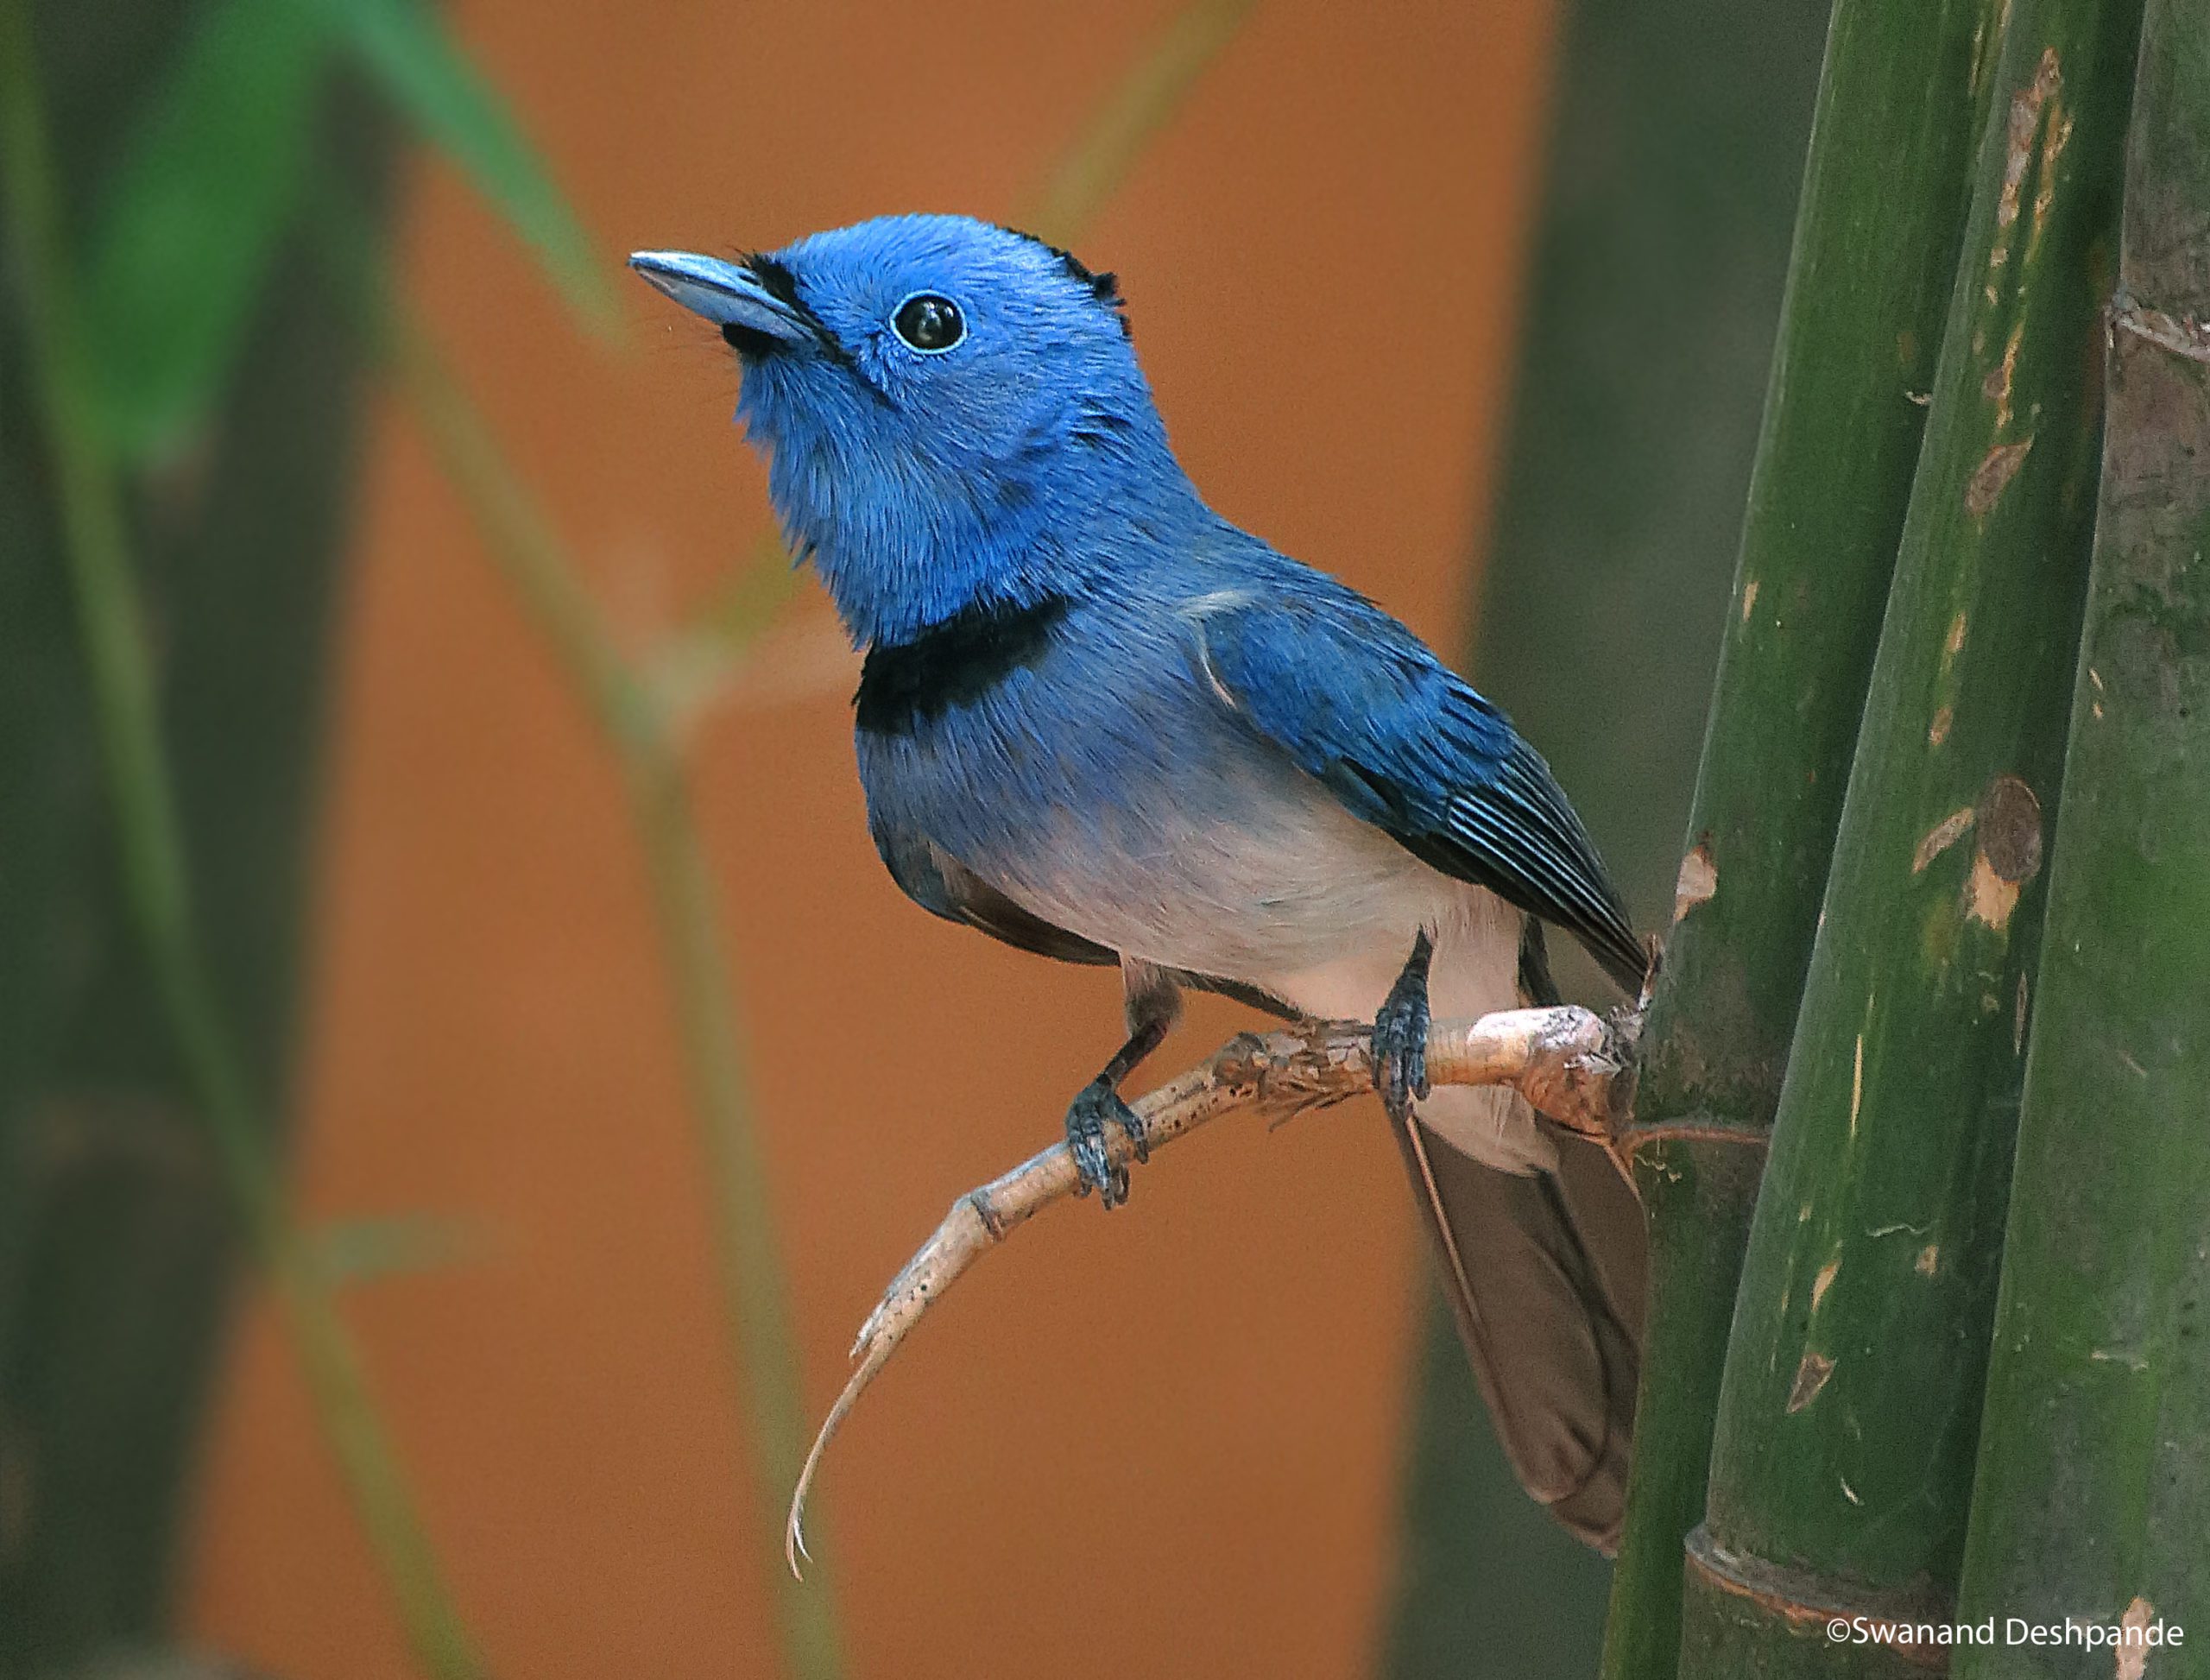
column 944, row 404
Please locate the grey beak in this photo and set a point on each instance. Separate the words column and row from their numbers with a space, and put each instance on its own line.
column 726, row 293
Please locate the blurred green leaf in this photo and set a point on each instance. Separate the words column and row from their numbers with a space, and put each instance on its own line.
column 357, row 1251
column 183, row 233
column 457, row 110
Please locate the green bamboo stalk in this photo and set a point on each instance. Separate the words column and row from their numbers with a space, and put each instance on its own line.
column 2093, row 1498
column 1675, row 154
column 1885, row 191
column 1841, row 1459
column 96, row 546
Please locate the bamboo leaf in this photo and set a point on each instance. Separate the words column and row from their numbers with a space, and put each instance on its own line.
column 357, row 1251
column 451, row 105
column 185, row 232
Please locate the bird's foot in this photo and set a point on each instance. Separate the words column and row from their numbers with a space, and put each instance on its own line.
column 1094, row 1106
column 1399, row 1042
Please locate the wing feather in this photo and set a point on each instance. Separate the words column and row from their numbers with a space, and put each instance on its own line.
column 941, row 884
column 1359, row 703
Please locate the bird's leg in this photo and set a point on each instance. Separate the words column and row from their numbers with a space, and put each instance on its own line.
column 1400, row 1035
column 1100, row 1101
column 1152, row 1005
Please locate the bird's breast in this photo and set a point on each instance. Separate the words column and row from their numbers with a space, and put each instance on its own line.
column 1100, row 785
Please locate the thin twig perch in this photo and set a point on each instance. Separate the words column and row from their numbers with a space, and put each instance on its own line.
column 1569, row 1063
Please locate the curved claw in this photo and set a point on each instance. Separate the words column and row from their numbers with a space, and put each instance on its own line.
column 1093, row 1106
column 1399, row 1042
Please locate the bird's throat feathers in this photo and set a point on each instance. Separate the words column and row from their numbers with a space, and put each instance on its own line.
column 913, row 517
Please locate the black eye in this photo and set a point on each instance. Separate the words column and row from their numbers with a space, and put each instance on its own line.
column 929, row 322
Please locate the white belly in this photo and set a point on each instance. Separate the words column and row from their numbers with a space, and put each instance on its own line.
column 1475, row 973
column 1320, row 910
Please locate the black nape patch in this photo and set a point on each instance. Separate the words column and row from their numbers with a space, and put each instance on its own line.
column 907, row 683
column 1105, row 287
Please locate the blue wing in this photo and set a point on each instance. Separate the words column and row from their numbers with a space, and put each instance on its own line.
column 1359, row 703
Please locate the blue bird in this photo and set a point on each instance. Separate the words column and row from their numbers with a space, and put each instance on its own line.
column 1099, row 722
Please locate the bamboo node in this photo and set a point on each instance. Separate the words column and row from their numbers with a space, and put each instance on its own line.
column 1808, row 1604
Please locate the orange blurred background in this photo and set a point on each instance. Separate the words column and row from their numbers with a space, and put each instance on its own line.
column 1165, row 1443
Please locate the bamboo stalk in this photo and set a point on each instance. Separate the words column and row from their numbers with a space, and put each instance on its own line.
column 119, row 664
column 2092, row 1498
column 1885, row 191
column 1841, row 1458
column 1654, row 284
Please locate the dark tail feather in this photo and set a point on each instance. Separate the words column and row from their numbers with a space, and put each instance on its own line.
column 1545, row 1276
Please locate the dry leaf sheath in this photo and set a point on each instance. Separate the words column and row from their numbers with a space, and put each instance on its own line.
column 1569, row 1063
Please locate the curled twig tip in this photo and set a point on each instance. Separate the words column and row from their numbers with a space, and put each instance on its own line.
column 794, row 1551
column 1564, row 1060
